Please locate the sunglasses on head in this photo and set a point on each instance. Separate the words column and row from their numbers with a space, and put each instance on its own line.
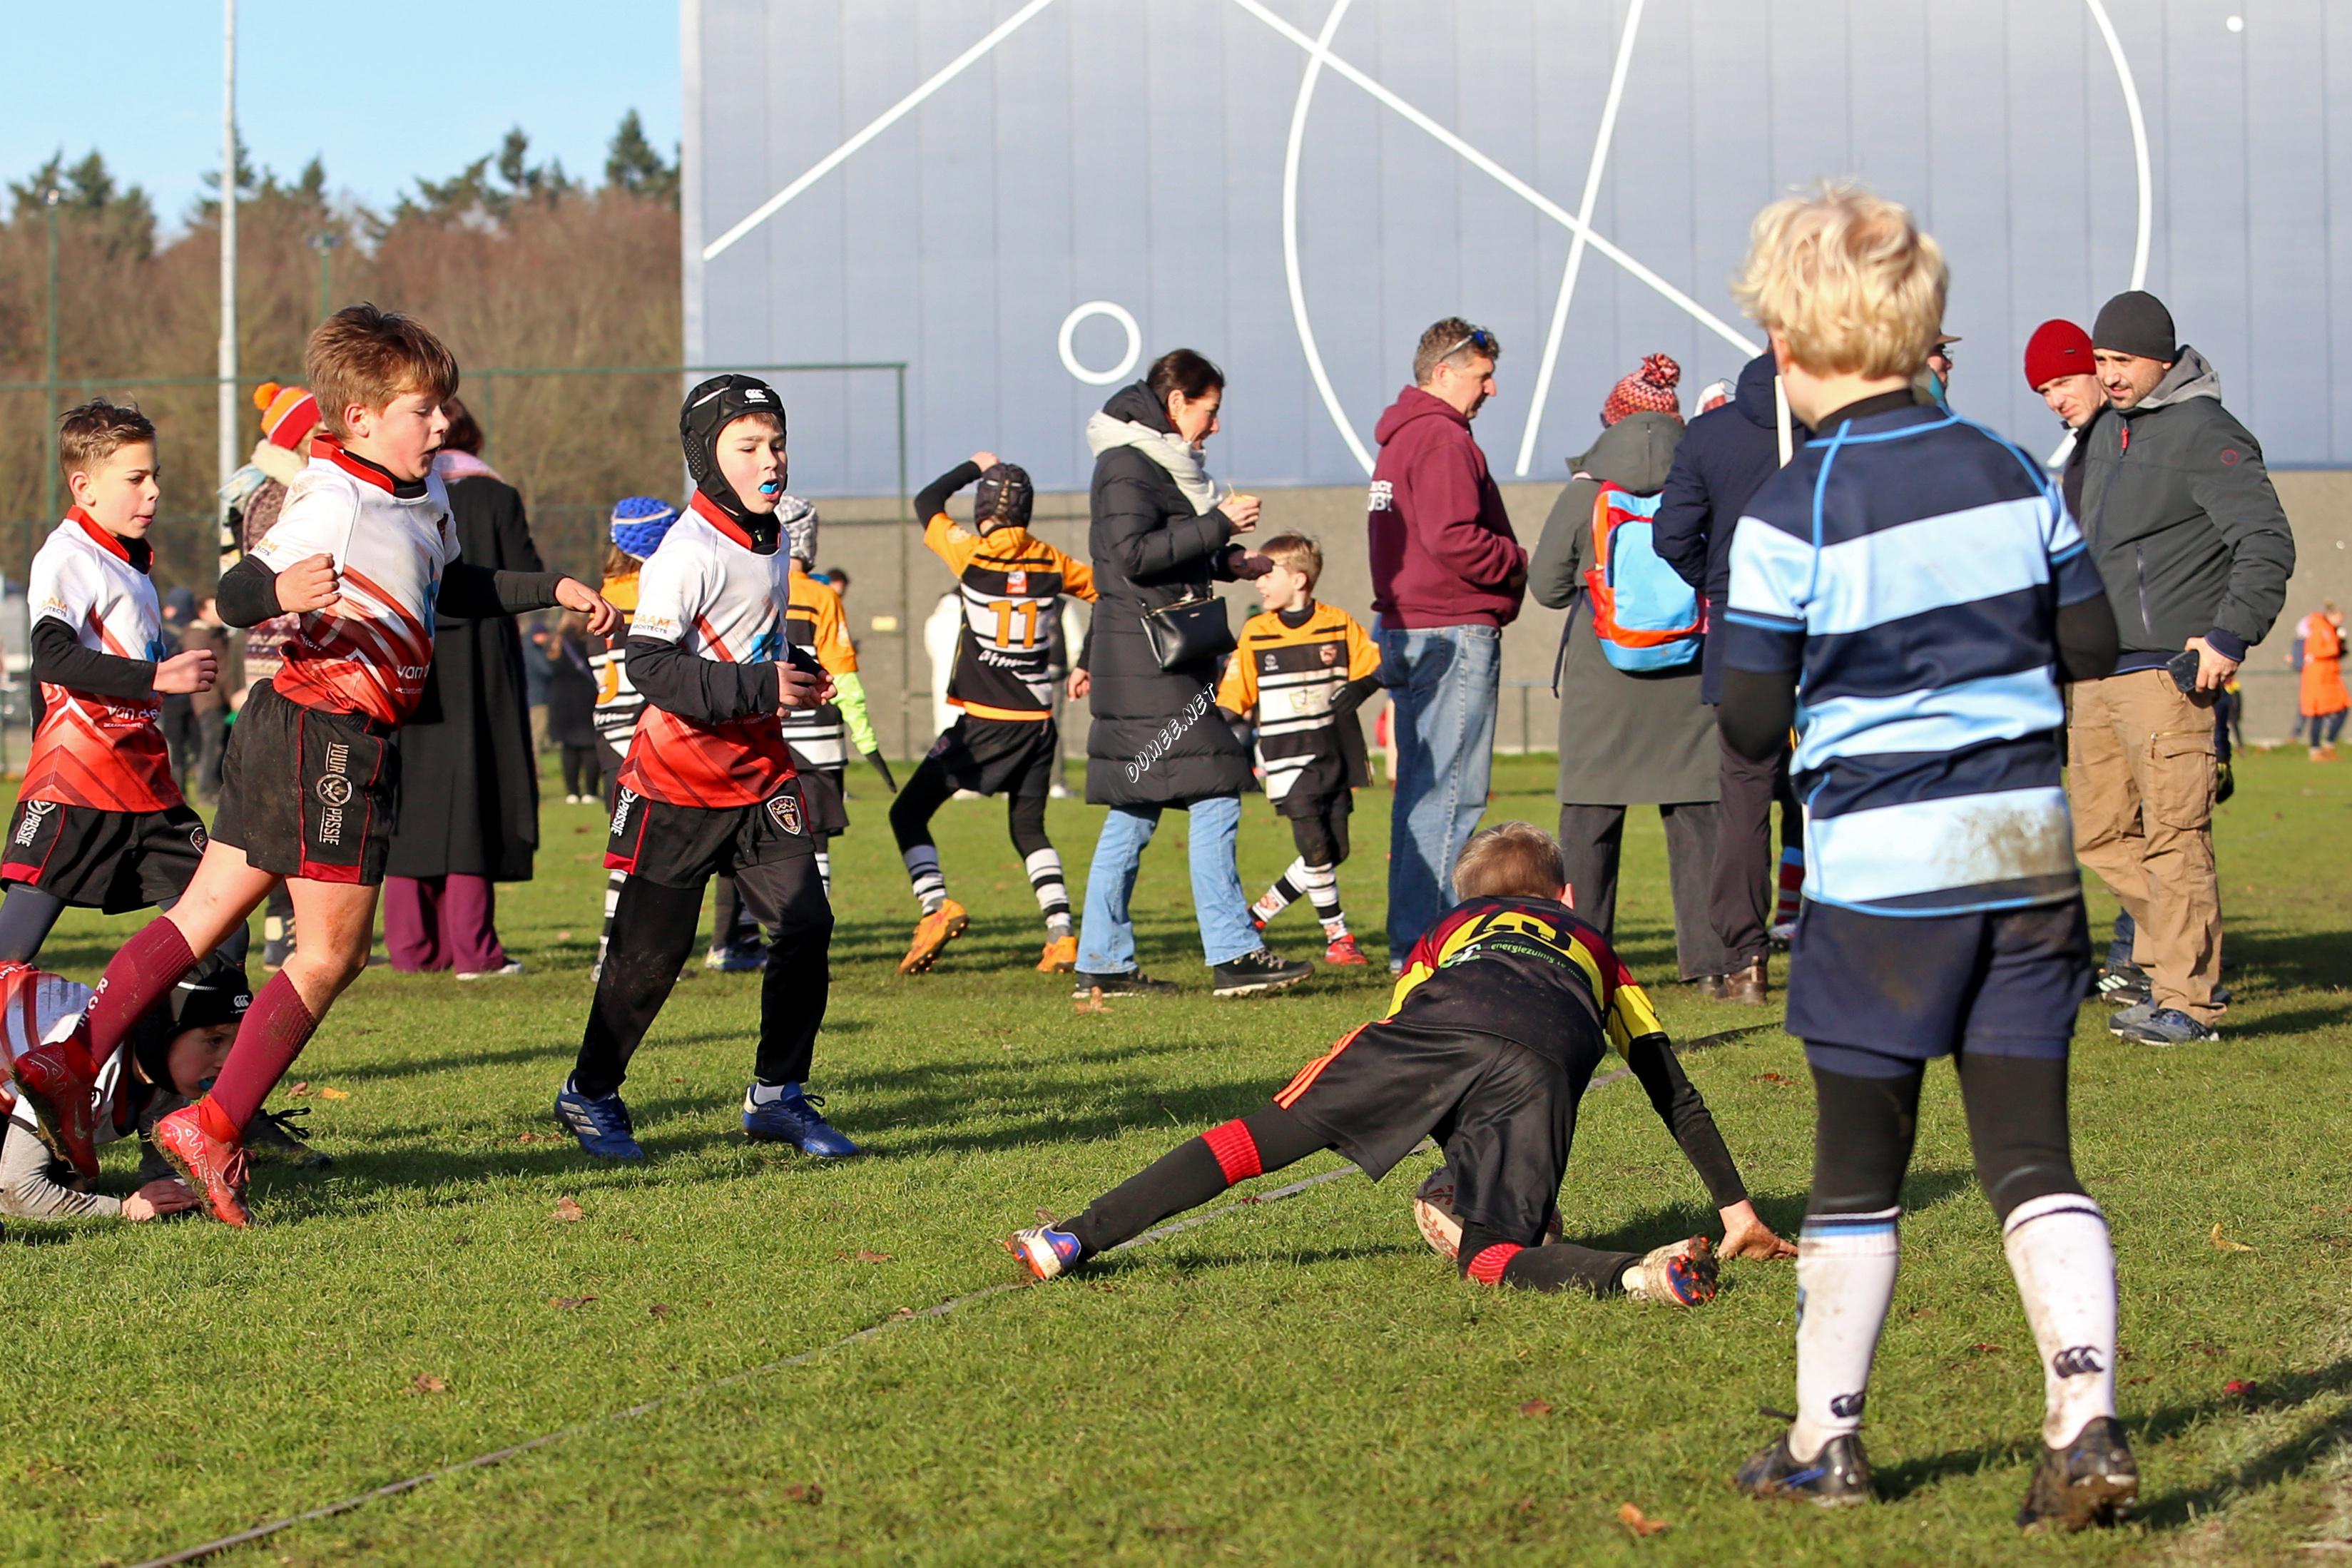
column 1480, row 339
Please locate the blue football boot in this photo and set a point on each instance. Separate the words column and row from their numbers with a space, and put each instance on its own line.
column 795, row 1118
column 601, row 1122
column 1838, row 1477
column 1048, row 1251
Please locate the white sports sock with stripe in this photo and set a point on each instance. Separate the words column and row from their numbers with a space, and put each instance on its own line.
column 923, row 872
column 1323, row 888
column 1045, row 868
column 824, row 872
column 1845, row 1282
column 1288, row 889
column 2065, row 1263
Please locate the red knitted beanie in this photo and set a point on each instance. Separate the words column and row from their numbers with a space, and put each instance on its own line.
column 2056, row 348
column 1649, row 390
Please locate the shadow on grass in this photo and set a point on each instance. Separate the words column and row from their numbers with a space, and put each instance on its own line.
column 2314, row 959
column 2315, row 1440
column 2295, row 1021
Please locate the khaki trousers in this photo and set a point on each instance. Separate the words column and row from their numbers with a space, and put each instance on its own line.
column 2140, row 778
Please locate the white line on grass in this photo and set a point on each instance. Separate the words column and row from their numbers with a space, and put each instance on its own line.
column 872, row 1330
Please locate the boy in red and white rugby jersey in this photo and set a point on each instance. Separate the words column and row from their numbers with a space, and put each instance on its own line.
column 363, row 552
column 99, row 823
column 708, row 787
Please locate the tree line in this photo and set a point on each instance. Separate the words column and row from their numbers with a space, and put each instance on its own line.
column 513, row 261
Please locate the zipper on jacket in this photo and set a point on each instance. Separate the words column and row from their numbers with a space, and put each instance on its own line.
column 2139, row 570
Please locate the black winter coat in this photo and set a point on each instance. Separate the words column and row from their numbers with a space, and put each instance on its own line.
column 1150, row 549
column 469, row 783
column 1727, row 453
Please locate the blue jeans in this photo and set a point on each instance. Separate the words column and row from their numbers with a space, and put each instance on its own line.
column 1106, row 938
column 1444, row 683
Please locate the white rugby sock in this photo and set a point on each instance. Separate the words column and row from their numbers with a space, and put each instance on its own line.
column 923, row 872
column 1045, row 868
column 824, row 872
column 612, row 881
column 1845, row 1281
column 1323, row 888
column 2064, row 1264
column 1288, row 889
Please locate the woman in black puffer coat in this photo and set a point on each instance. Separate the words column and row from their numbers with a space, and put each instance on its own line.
column 1161, row 530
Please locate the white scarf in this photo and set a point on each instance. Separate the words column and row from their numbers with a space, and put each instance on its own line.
column 1165, row 447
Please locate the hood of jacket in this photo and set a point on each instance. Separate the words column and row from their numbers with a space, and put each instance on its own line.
column 1135, row 404
column 1414, row 403
column 2191, row 375
column 1634, row 453
column 1753, row 396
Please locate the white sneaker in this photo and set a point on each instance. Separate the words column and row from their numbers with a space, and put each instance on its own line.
column 1680, row 1274
column 571, row 800
column 511, row 966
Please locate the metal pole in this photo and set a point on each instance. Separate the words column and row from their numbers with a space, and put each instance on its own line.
column 906, row 588
column 49, row 439
column 227, row 404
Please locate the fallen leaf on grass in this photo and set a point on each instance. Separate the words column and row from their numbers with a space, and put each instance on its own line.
column 1985, row 1347
column 332, row 1094
column 2223, row 1243
column 811, row 1493
column 1536, row 1407
column 660, row 1310
column 1774, row 1078
column 298, row 1089
column 563, row 936
column 428, row 1383
column 568, row 1302
column 2238, row 1388
column 2135, row 1382
column 1639, row 1523
column 1092, row 1002
column 863, row 1255
column 567, row 1209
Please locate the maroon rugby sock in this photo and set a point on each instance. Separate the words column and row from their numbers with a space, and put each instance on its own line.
column 275, row 1030
column 141, row 974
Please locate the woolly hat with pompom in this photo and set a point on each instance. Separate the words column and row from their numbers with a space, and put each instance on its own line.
column 1649, row 390
column 289, row 414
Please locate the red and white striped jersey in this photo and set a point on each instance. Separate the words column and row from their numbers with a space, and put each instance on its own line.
column 93, row 751
column 706, row 589
column 40, row 1008
column 367, row 655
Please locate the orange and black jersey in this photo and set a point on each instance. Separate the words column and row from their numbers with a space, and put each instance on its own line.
column 1291, row 666
column 1011, row 586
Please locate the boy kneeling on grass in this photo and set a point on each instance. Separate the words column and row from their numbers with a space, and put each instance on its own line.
column 1504, row 1008
column 171, row 1058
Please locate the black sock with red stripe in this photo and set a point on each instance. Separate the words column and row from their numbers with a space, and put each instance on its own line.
column 1194, row 1171
column 1488, row 1260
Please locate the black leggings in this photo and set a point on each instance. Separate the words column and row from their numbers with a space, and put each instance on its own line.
column 1269, row 1138
column 1864, row 1128
column 653, row 930
column 927, row 790
column 583, row 771
column 1322, row 835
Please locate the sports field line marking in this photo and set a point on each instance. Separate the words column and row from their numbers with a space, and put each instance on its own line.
column 872, row 1330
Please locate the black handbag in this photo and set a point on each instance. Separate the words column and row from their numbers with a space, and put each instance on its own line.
column 1190, row 631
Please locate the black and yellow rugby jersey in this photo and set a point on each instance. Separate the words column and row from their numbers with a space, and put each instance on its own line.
column 1011, row 587
column 1289, row 674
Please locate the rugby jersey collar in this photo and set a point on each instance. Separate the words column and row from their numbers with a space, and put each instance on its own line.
column 1294, row 619
column 137, row 551
column 709, row 511
column 1877, row 402
column 325, row 444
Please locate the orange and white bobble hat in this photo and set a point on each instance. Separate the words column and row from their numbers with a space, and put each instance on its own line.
column 289, row 414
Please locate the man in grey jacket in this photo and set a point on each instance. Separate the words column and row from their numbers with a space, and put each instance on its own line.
column 2195, row 550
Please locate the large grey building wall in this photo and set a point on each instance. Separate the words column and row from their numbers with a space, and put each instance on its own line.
column 1135, row 151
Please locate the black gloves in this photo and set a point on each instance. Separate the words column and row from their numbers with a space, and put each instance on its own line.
column 882, row 766
column 1351, row 697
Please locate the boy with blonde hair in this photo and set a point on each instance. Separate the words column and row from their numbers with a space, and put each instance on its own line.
column 1911, row 585
column 1303, row 668
column 364, row 552
column 1505, row 1007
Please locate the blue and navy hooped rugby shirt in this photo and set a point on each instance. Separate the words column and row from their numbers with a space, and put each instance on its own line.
column 1908, row 566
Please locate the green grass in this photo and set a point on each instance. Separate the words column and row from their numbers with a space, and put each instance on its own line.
column 1299, row 1381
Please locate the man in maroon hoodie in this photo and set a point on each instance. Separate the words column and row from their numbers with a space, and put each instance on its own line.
column 1447, row 577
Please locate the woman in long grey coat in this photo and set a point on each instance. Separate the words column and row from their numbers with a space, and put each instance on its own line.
column 1627, row 739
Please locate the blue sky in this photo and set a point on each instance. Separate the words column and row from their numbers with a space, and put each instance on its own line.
column 430, row 92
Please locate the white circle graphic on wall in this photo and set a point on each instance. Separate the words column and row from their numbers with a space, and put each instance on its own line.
column 1126, row 364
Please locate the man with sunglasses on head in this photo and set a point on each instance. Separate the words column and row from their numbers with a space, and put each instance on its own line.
column 1448, row 575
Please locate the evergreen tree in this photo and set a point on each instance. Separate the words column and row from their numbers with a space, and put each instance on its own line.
column 633, row 164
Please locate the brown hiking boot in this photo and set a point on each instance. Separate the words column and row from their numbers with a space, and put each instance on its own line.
column 1746, row 987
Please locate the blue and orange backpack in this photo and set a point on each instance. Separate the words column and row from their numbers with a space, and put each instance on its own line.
column 1646, row 616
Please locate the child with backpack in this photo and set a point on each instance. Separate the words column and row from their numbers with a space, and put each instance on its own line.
column 1632, row 729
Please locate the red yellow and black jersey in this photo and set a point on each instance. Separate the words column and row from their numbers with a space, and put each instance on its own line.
column 1288, row 668
column 1011, row 586
column 1506, row 966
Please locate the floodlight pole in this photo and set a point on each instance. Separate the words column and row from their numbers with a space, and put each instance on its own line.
column 228, row 407
column 324, row 243
column 49, row 512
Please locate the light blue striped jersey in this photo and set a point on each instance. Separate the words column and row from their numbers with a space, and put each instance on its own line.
column 1909, row 565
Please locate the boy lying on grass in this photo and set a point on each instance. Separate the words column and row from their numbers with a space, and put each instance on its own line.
column 1504, row 1008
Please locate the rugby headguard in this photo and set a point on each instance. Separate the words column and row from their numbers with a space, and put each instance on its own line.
column 211, row 995
column 797, row 516
column 1003, row 499
column 709, row 409
column 639, row 522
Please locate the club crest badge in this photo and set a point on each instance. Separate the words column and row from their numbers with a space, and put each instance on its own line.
column 786, row 810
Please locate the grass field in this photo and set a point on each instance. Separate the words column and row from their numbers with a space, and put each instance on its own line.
column 1300, row 1381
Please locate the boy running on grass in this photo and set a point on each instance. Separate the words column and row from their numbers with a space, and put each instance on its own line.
column 1912, row 586
column 364, row 552
column 708, row 787
column 1506, row 1007
column 1006, row 742
column 1303, row 668
column 99, row 823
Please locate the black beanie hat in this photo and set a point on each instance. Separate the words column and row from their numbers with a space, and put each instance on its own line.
column 709, row 408
column 2135, row 322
